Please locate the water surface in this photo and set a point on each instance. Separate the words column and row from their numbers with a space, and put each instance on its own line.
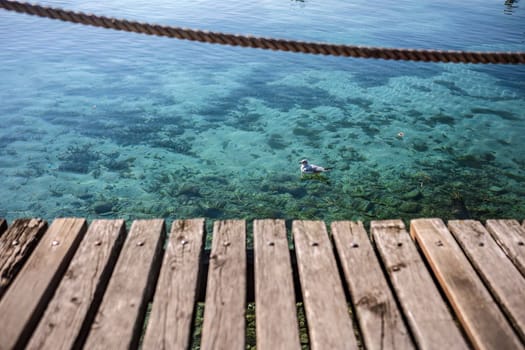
column 99, row 123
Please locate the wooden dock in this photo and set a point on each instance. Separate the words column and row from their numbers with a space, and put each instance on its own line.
column 72, row 285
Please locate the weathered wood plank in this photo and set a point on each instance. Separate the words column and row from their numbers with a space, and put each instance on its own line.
column 26, row 299
column 15, row 247
column 380, row 320
column 3, row 226
column 65, row 322
column 119, row 320
column 276, row 318
column 477, row 311
column 169, row 325
column 511, row 238
column 496, row 270
column 224, row 322
column 329, row 323
column 429, row 318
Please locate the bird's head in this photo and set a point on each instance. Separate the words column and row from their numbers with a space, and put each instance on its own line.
column 304, row 162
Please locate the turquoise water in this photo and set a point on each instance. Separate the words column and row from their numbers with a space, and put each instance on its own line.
column 99, row 123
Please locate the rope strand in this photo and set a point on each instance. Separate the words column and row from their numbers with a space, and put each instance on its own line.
column 265, row 43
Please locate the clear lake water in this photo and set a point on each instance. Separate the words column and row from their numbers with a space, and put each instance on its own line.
column 104, row 124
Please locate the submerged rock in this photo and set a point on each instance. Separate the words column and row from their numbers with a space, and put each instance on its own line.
column 102, row 207
column 189, row 190
column 497, row 189
column 410, row 207
column 365, row 206
column 470, row 161
column 415, row 194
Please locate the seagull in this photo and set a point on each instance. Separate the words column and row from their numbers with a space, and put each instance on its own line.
column 311, row 168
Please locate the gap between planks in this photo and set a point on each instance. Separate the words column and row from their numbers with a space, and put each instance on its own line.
column 16, row 246
column 380, row 320
column 70, row 313
column 315, row 228
column 26, row 299
column 474, row 306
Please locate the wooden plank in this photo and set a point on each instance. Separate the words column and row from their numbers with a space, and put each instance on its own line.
column 15, row 247
column 66, row 320
column 3, row 226
column 496, row 270
column 26, row 299
column 380, row 320
column 429, row 318
column 511, row 238
column 276, row 314
column 329, row 323
column 477, row 311
column 169, row 325
column 224, row 322
column 119, row 320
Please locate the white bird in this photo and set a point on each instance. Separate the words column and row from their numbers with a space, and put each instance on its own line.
column 311, row 168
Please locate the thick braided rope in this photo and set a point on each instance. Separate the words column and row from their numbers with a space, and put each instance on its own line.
column 266, row 43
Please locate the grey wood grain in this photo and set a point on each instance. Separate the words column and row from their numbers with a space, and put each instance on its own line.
column 224, row 310
column 65, row 322
column 494, row 267
column 329, row 322
column 276, row 316
column 475, row 308
column 169, row 325
column 429, row 318
column 511, row 238
column 27, row 297
column 380, row 320
column 16, row 244
column 119, row 320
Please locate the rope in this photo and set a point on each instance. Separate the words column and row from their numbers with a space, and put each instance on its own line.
column 265, row 43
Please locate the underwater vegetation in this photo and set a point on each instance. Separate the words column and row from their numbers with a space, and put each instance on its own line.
column 440, row 119
column 502, row 114
column 276, row 141
column 78, row 159
column 369, row 194
column 83, row 158
column 158, row 157
column 178, row 145
column 468, row 184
